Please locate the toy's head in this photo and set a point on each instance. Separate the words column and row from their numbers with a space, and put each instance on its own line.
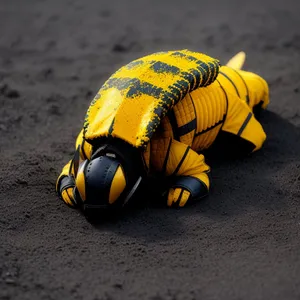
column 109, row 179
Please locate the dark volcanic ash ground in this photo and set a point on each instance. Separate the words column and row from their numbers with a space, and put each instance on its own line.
column 242, row 242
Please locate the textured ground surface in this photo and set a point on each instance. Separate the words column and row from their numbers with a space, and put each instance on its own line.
column 240, row 243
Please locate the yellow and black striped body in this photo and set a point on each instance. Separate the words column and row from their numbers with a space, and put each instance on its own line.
column 172, row 106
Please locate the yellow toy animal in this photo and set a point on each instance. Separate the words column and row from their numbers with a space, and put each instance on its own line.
column 154, row 117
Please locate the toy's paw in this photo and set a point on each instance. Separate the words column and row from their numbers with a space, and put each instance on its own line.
column 67, row 196
column 178, row 197
column 66, row 191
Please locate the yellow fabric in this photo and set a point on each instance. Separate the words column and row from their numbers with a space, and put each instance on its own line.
column 178, row 194
column 244, row 83
column 258, row 88
column 184, row 198
column 87, row 148
column 175, row 155
column 209, row 106
column 232, row 82
column 254, row 133
column 117, row 186
column 237, row 114
column 158, row 148
column 67, row 196
column 64, row 172
column 192, row 165
column 132, row 102
column 185, row 112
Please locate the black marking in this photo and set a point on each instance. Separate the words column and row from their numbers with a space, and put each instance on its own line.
column 192, row 100
column 244, row 124
column 207, row 78
column 75, row 162
column 174, row 124
column 194, row 77
column 213, row 67
column 247, row 96
column 183, row 85
column 212, row 127
column 159, row 112
column 182, row 160
column 161, row 67
column 66, row 183
column 166, row 158
column 119, row 83
column 180, row 90
column 191, row 58
column 178, row 54
column 175, row 93
column 138, row 88
column 179, row 197
column 187, row 128
column 111, row 127
column 133, row 64
column 226, row 97
column 70, row 199
column 231, row 83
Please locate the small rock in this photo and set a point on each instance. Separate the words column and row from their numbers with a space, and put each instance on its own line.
column 54, row 110
column 10, row 281
column 48, row 73
column 8, row 92
column 13, row 94
column 125, row 44
column 119, row 48
column 118, row 286
column 74, row 77
column 3, row 127
column 88, row 94
column 21, row 181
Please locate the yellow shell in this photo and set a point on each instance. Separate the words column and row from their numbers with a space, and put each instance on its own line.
column 132, row 102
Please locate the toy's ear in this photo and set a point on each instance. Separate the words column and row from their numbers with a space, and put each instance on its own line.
column 237, row 61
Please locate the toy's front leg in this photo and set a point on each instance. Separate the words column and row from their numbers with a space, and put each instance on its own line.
column 188, row 175
column 186, row 189
column 65, row 183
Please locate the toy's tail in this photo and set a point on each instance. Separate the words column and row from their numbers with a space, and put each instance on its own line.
column 237, row 61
